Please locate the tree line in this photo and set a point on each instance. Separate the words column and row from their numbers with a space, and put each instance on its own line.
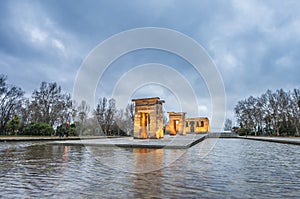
column 273, row 113
column 51, row 111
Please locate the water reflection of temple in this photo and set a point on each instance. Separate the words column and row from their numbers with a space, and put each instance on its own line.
column 148, row 164
column 148, row 120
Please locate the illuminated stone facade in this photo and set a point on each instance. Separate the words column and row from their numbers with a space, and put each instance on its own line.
column 148, row 118
column 176, row 123
column 197, row 125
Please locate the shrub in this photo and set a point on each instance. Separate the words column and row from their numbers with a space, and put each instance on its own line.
column 40, row 129
column 68, row 130
column 244, row 131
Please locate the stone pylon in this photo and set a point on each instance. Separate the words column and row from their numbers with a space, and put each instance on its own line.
column 176, row 123
column 148, row 118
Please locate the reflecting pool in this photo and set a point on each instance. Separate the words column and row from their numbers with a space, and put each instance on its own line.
column 214, row 168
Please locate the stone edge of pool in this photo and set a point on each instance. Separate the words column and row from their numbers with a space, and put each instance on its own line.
column 282, row 140
column 48, row 138
column 169, row 142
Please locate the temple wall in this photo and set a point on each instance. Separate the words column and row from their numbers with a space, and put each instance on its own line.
column 197, row 125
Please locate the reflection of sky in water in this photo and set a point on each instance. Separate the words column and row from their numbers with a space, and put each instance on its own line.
column 231, row 168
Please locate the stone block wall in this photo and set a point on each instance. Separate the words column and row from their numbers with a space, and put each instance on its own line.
column 197, row 125
column 176, row 123
column 148, row 118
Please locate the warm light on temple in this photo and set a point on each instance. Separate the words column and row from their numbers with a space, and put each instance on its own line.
column 148, row 120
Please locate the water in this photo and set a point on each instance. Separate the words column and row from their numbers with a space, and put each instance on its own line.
column 233, row 168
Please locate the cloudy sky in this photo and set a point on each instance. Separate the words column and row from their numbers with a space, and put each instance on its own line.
column 253, row 44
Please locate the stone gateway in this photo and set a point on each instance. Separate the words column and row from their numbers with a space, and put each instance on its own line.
column 176, row 123
column 148, row 118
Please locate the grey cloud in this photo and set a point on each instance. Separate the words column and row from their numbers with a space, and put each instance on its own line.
column 255, row 44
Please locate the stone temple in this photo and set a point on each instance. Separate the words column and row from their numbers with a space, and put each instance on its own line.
column 197, row 125
column 149, row 122
column 176, row 123
column 148, row 118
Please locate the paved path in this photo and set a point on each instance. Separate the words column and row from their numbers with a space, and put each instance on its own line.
column 284, row 140
column 169, row 142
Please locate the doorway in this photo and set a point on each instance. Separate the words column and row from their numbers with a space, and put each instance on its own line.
column 175, row 127
column 144, row 125
column 192, row 123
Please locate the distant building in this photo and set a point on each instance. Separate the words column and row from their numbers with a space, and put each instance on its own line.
column 176, row 123
column 197, row 125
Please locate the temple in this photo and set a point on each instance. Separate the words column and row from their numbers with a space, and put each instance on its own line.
column 197, row 125
column 176, row 123
column 149, row 122
column 148, row 118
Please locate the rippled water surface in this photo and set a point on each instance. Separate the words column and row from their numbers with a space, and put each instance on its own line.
column 215, row 168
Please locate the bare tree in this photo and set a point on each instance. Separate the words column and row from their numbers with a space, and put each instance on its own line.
column 10, row 102
column 105, row 113
column 100, row 113
column 244, row 113
column 83, row 110
column 25, row 113
column 130, row 111
column 129, row 118
column 276, row 112
column 50, row 105
column 295, row 110
column 109, row 115
column 2, row 84
column 228, row 125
